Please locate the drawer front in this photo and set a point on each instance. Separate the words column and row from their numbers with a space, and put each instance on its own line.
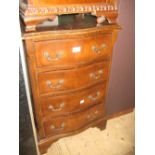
column 56, row 81
column 73, row 102
column 67, row 53
column 60, row 125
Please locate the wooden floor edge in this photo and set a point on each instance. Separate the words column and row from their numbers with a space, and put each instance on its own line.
column 120, row 113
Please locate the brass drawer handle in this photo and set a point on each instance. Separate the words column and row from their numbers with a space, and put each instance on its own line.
column 61, row 106
column 98, row 49
column 94, row 98
column 95, row 49
column 93, row 115
column 57, row 85
column 49, row 57
column 53, row 127
column 96, row 75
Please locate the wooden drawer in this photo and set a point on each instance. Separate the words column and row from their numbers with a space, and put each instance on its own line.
column 70, row 123
column 72, row 52
column 72, row 102
column 65, row 80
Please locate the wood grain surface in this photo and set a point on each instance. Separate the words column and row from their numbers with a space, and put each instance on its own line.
column 68, row 68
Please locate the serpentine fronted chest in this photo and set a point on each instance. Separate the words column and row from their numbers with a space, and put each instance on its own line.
column 69, row 67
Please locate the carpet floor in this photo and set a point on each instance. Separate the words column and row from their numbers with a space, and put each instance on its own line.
column 117, row 139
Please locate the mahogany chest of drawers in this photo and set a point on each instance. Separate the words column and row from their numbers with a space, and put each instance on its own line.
column 69, row 69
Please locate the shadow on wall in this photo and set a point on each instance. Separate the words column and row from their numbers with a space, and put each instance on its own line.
column 121, row 93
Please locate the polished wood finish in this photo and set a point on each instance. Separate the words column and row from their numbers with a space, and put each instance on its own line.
column 73, row 102
column 48, row 9
column 74, row 122
column 72, row 51
column 65, row 80
column 64, row 2
column 69, row 89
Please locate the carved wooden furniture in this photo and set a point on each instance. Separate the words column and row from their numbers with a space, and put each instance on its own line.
column 69, row 67
column 69, row 64
column 34, row 12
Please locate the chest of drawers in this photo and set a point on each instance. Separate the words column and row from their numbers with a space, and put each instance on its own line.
column 69, row 71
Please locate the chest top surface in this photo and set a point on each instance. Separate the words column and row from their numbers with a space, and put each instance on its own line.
column 69, row 25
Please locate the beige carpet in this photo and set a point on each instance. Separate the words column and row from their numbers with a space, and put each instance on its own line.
column 116, row 139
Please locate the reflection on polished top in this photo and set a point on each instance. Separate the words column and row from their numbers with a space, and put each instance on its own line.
column 73, row 22
column 70, row 23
